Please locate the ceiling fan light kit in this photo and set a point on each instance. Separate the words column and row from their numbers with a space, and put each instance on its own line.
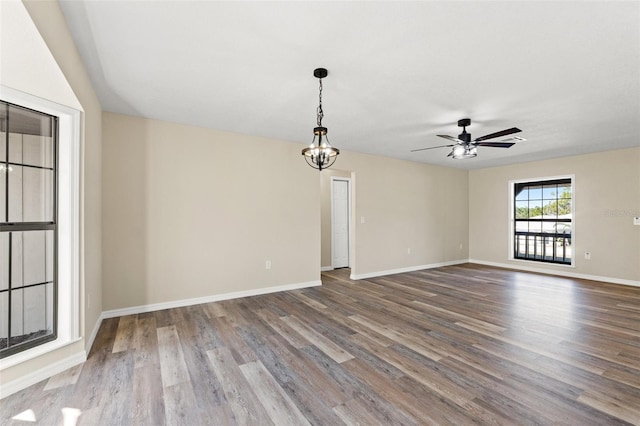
column 320, row 154
column 465, row 147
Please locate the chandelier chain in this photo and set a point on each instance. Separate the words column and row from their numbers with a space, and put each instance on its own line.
column 320, row 111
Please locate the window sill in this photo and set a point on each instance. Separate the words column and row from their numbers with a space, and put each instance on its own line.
column 32, row 353
column 535, row 262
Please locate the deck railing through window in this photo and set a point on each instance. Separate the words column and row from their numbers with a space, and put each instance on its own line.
column 554, row 247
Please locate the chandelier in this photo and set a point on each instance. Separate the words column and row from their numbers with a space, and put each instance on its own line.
column 320, row 154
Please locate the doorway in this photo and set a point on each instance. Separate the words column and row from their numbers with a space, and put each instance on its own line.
column 340, row 221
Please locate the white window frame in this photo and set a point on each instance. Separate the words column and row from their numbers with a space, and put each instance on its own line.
column 69, row 125
column 512, row 224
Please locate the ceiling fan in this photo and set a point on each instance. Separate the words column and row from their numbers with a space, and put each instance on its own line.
column 464, row 147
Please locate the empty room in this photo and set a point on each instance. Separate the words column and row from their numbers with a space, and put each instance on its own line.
column 319, row 212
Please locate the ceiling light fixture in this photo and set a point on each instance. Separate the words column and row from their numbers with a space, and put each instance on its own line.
column 320, row 154
column 460, row 151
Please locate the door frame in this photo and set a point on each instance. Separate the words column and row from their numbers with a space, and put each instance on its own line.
column 349, row 222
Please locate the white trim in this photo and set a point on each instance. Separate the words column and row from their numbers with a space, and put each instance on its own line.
column 407, row 269
column 89, row 343
column 206, row 299
column 44, row 373
column 326, row 268
column 69, row 141
column 568, row 274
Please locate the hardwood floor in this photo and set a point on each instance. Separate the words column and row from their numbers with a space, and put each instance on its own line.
column 454, row 345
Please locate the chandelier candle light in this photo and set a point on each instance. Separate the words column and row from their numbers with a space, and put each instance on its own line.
column 320, row 154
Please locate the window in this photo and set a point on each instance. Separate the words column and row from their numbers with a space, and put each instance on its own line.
column 65, row 313
column 28, row 228
column 543, row 220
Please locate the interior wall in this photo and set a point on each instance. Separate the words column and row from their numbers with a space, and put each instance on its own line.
column 325, row 212
column 607, row 197
column 39, row 57
column 407, row 214
column 192, row 212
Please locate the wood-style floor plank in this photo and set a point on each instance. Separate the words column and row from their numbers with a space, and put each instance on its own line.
column 457, row 345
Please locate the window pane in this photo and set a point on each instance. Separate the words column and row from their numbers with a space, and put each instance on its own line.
column 4, row 323
column 3, row 143
column 535, row 227
column 522, row 226
column 549, row 192
column 15, row 148
column 49, row 318
column 27, row 122
column 3, row 192
column 4, row 261
column 522, row 209
column 35, row 309
column 17, row 314
column 30, row 194
column 31, row 256
column 31, row 150
column 550, row 209
column 535, row 209
column 535, row 193
column 523, row 195
column 16, row 259
column 37, row 150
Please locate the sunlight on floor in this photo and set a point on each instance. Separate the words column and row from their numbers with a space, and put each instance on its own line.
column 69, row 416
column 551, row 304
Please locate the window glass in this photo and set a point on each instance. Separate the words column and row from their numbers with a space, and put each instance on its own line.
column 542, row 221
column 28, row 229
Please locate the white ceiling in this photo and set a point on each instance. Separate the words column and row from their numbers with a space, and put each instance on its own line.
column 566, row 73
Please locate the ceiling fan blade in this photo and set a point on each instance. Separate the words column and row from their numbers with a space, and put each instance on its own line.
column 513, row 138
column 432, row 147
column 451, row 138
column 496, row 144
column 498, row 134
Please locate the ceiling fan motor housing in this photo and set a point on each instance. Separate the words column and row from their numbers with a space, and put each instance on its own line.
column 464, row 136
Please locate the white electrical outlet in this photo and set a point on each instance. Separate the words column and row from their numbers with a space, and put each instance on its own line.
column 361, row 219
column 267, row 264
column 587, row 255
column 636, row 220
column 408, row 250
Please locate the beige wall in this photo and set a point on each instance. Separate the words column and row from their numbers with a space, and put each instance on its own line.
column 406, row 205
column 192, row 212
column 46, row 81
column 607, row 196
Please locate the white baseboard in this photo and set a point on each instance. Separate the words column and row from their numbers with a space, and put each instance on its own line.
column 206, row 299
column 326, row 268
column 42, row 374
column 558, row 273
column 94, row 333
column 407, row 269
